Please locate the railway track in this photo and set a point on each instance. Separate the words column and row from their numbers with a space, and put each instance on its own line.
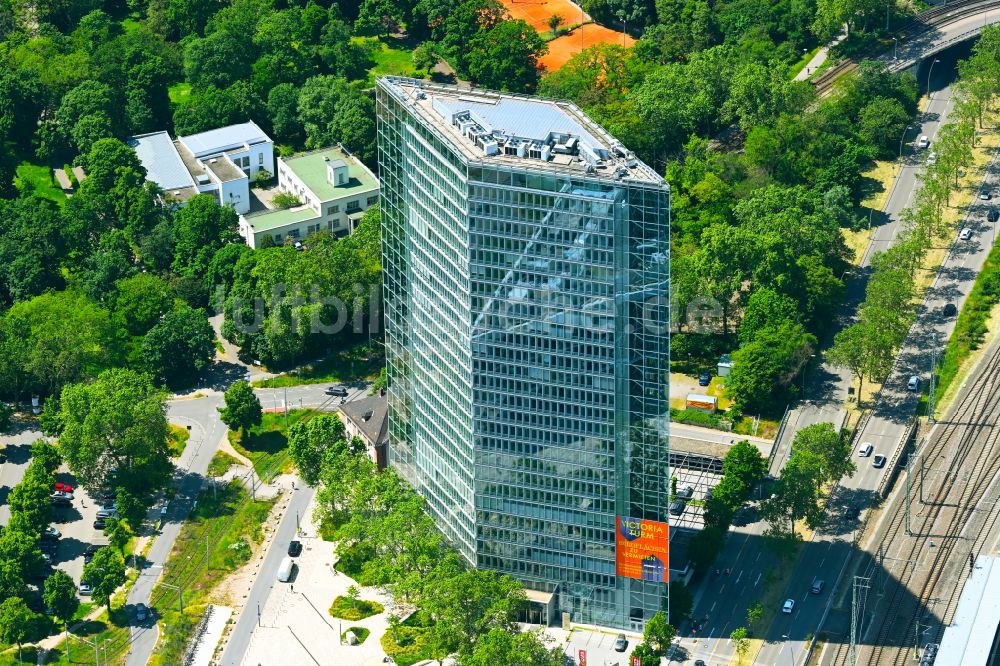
column 920, row 25
column 970, row 444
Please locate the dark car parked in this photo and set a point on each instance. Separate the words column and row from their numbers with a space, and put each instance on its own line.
column 950, row 310
column 993, row 215
column 704, row 379
column 294, row 548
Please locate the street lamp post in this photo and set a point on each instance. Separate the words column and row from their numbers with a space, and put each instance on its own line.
column 895, row 50
column 929, row 70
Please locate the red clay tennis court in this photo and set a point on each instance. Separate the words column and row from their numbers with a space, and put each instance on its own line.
column 567, row 46
column 537, row 12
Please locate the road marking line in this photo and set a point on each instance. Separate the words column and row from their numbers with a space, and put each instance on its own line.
column 712, row 608
column 758, row 580
column 759, row 553
column 740, row 576
column 821, row 562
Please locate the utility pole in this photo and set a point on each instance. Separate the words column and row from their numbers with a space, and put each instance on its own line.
column 933, row 387
column 862, row 583
column 286, row 411
column 180, row 593
column 909, row 461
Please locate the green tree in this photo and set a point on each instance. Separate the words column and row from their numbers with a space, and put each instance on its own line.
column 523, row 648
column 745, row 463
column 832, row 448
column 468, row 603
column 45, row 456
column 764, row 369
column 242, row 410
column 309, row 440
column 29, row 500
column 765, row 308
column 378, row 17
column 740, row 643
column 219, row 60
column 22, row 548
column 105, row 573
column 646, row 654
column 881, row 123
column 180, row 346
column 506, row 57
column 115, row 430
column 850, row 350
column 60, row 596
column 117, row 533
column 18, row 623
column 755, row 613
column 333, row 110
column 200, row 229
column 796, row 495
column 65, row 338
column 659, row 633
column 140, row 301
column 681, row 602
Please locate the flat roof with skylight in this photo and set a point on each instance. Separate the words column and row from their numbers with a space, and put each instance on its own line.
column 531, row 132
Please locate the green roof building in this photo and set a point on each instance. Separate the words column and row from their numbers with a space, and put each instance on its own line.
column 333, row 188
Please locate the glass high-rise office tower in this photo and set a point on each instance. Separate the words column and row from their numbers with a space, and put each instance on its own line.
column 526, row 261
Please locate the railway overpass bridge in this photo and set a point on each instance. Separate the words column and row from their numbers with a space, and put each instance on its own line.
column 929, row 33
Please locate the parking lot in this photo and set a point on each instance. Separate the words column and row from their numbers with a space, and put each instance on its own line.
column 598, row 646
column 74, row 522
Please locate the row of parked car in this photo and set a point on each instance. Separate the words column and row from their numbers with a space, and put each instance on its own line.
column 62, row 496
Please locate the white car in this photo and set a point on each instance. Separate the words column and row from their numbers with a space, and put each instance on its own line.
column 923, row 142
column 913, row 384
column 965, row 234
column 788, row 606
column 985, row 195
column 865, row 450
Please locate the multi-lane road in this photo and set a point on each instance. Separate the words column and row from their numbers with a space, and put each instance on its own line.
column 721, row 603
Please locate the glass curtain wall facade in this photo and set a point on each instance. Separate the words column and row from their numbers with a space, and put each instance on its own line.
column 527, row 350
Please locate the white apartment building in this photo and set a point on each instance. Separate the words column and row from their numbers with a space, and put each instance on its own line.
column 220, row 162
column 333, row 187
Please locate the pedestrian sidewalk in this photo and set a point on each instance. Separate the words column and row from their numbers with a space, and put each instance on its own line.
column 820, row 57
column 295, row 625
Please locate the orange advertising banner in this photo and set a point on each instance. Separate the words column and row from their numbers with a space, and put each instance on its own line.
column 641, row 549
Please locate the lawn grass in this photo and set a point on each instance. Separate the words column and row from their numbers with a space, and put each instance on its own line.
column 223, row 520
column 177, row 440
column 360, row 632
column 391, row 57
column 346, row 609
column 267, row 444
column 39, row 179
column 220, row 464
column 179, row 93
column 347, row 365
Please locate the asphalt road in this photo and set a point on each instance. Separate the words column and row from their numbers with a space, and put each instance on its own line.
column 207, row 432
column 722, row 601
column 239, row 640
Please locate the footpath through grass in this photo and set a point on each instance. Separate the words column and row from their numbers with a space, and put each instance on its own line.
column 214, row 542
column 266, row 445
column 348, row 365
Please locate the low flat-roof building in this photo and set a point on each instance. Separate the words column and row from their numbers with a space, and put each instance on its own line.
column 220, row 162
column 333, row 187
